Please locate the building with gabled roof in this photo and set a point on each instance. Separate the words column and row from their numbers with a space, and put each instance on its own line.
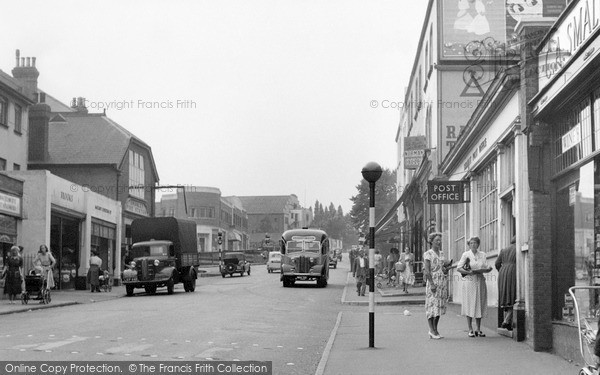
column 94, row 153
column 270, row 216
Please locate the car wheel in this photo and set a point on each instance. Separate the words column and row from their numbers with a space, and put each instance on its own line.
column 223, row 275
column 321, row 282
column 248, row 271
column 170, row 285
column 129, row 290
column 242, row 273
column 334, row 266
column 192, row 286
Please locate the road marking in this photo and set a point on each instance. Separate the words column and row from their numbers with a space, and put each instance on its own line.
column 325, row 356
column 210, row 353
column 57, row 344
column 128, row 348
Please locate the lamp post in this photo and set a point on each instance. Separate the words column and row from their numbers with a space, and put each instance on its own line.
column 371, row 173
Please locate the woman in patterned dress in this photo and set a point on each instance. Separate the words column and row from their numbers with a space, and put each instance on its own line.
column 474, row 289
column 436, row 289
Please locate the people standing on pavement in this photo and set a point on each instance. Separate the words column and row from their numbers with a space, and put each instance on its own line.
column 506, row 264
column 352, row 256
column 436, row 289
column 474, row 289
column 378, row 262
column 93, row 276
column 361, row 272
column 407, row 276
column 45, row 260
column 391, row 260
column 13, row 274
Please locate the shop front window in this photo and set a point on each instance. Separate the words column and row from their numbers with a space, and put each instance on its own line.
column 577, row 255
column 64, row 246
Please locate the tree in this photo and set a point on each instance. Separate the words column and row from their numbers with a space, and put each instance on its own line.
column 340, row 211
column 385, row 197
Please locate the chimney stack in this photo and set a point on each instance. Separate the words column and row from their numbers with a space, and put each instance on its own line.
column 79, row 104
column 26, row 74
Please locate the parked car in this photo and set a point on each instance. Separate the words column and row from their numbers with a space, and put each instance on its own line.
column 274, row 261
column 234, row 262
column 333, row 260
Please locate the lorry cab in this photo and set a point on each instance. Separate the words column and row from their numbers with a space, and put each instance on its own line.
column 170, row 259
column 304, row 256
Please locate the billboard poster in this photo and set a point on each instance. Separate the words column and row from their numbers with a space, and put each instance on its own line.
column 484, row 28
column 461, row 92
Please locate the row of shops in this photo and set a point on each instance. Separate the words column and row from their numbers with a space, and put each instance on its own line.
column 37, row 207
column 526, row 166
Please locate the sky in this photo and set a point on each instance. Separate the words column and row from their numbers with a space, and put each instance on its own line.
column 254, row 97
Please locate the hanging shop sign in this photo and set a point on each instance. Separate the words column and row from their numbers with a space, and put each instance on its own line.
column 445, row 192
column 414, row 150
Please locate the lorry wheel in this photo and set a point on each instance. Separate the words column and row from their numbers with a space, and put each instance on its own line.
column 129, row 290
column 192, row 285
column 248, row 271
column 223, row 275
column 170, row 285
column 150, row 289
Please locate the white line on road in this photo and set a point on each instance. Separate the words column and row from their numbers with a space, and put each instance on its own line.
column 325, row 357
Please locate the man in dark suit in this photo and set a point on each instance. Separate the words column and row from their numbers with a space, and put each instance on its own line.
column 361, row 272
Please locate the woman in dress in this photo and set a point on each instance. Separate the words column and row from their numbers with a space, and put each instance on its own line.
column 506, row 264
column 13, row 271
column 93, row 276
column 408, row 276
column 436, row 289
column 474, row 289
column 46, row 261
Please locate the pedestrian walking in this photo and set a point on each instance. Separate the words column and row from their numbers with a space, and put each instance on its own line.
column 93, row 276
column 407, row 276
column 45, row 261
column 474, row 289
column 506, row 264
column 378, row 262
column 361, row 272
column 13, row 274
column 436, row 289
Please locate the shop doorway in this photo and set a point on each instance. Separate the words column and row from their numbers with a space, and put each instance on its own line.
column 64, row 245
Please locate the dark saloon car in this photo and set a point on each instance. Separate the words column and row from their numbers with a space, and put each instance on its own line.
column 234, row 262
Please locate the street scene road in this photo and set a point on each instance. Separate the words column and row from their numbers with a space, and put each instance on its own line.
column 302, row 330
column 232, row 318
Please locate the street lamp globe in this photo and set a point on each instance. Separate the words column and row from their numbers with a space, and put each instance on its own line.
column 372, row 171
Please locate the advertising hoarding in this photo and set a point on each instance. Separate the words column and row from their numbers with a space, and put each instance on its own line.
column 484, row 28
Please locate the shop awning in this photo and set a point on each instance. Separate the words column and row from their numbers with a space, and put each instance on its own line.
column 232, row 236
column 384, row 221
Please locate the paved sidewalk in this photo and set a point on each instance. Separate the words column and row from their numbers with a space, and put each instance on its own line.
column 72, row 297
column 383, row 296
column 402, row 344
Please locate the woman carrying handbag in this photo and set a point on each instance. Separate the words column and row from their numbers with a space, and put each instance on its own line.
column 472, row 265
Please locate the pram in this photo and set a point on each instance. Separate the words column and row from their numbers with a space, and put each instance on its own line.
column 36, row 284
column 587, row 326
column 106, row 281
column 388, row 277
